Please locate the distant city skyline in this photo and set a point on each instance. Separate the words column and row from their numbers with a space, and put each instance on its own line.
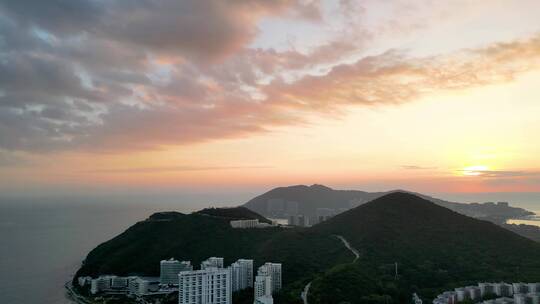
column 241, row 96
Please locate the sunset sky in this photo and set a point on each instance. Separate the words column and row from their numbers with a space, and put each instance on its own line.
column 430, row 96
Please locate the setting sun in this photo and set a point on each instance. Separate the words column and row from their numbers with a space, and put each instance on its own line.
column 475, row 170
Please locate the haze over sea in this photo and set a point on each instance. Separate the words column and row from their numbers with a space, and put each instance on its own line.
column 44, row 240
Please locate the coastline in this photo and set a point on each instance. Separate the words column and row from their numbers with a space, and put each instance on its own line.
column 532, row 220
column 74, row 296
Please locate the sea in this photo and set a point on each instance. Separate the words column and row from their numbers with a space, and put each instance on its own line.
column 44, row 240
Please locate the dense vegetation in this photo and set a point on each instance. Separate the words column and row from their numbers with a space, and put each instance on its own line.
column 234, row 213
column 435, row 249
column 196, row 236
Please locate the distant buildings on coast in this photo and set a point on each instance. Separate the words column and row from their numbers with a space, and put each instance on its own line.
column 498, row 293
column 321, row 215
column 211, row 284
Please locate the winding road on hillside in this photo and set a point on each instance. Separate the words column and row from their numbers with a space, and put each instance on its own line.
column 348, row 245
column 304, row 294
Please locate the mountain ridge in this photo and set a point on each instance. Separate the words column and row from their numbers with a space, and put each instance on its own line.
column 282, row 202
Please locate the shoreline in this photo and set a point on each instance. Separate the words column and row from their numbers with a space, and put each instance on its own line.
column 74, row 296
column 532, row 220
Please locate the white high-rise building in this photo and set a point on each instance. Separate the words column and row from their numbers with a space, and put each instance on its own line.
column 267, row 282
column 274, row 271
column 169, row 270
column 208, row 286
column 241, row 274
column 212, row 262
column 262, row 286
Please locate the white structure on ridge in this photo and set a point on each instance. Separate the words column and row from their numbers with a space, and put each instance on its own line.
column 169, row 270
column 241, row 274
column 249, row 224
column 211, row 285
column 211, row 263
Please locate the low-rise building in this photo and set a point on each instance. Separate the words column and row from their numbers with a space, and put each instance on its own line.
column 515, row 293
column 447, row 297
column 169, row 270
column 503, row 289
column 119, row 282
column 245, row 223
column 83, row 281
column 100, row 284
column 474, row 293
column 462, row 294
column 520, row 287
column 212, row 262
column 140, row 286
column 533, row 287
column 503, row 300
column 486, row 289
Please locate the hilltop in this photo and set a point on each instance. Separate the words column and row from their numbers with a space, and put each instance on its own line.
column 282, row 201
column 234, row 213
column 435, row 248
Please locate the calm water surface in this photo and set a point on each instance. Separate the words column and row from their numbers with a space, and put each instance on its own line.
column 43, row 244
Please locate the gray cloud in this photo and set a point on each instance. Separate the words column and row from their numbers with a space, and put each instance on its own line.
column 109, row 75
column 176, row 169
column 415, row 167
column 506, row 173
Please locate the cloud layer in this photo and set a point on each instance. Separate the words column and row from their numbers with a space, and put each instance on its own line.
column 115, row 75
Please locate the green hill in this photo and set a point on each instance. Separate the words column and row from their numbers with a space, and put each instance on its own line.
column 434, row 247
column 200, row 235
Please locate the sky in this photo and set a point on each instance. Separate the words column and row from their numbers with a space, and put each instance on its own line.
column 147, row 95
